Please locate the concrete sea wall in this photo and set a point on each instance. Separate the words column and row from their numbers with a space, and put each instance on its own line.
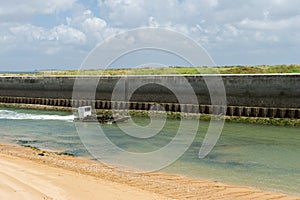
column 247, row 95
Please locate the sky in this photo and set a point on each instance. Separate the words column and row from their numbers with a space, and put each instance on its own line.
column 59, row 34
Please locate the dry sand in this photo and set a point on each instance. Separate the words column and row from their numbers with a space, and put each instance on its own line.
column 26, row 173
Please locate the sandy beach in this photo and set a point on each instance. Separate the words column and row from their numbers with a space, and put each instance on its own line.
column 27, row 173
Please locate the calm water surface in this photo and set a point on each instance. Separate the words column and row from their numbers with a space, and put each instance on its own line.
column 265, row 157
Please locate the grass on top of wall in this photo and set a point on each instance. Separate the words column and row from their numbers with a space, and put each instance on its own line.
column 173, row 70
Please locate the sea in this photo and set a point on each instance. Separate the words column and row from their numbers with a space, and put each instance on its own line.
column 260, row 156
column 19, row 72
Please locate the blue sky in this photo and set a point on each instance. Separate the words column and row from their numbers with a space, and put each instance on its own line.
column 59, row 34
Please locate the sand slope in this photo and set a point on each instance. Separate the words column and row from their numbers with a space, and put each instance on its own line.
column 21, row 179
column 26, row 174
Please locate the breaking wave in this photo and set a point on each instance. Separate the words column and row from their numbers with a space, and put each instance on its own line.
column 8, row 114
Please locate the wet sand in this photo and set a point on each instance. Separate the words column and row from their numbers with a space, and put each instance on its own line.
column 27, row 173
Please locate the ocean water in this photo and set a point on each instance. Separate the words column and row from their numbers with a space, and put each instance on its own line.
column 260, row 156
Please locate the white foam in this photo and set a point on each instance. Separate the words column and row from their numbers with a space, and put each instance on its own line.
column 8, row 114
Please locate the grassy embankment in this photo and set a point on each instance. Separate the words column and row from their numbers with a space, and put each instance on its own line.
column 182, row 70
column 261, row 69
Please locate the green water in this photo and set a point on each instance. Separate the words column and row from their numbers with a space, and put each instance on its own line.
column 265, row 157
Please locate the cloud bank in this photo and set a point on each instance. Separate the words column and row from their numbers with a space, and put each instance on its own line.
column 59, row 33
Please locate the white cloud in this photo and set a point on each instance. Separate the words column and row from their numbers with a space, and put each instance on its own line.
column 231, row 30
column 219, row 25
column 121, row 12
column 61, row 33
column 212, row 3
column 262, row 37
column 87, row 21
column 67, row 35
column 95, row 28
column 292, row 22
column 211, row 22
column 94, row 23
column 152, row 22
column 31, row 7
column 34, row 43
column 28, row 32
column 131, row 13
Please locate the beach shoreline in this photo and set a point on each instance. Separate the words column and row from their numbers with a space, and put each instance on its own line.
column 112, row 180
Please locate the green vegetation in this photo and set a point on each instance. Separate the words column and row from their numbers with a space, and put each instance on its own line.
column 64, row 154
column 32, row 147
column 41, row 152
column 206, row 117
column 265, row 121
column 263, row 69
column 170, row 115
column 260, row 69
column 35, row 107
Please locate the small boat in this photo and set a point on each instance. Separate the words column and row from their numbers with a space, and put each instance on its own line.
column 85, row 115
